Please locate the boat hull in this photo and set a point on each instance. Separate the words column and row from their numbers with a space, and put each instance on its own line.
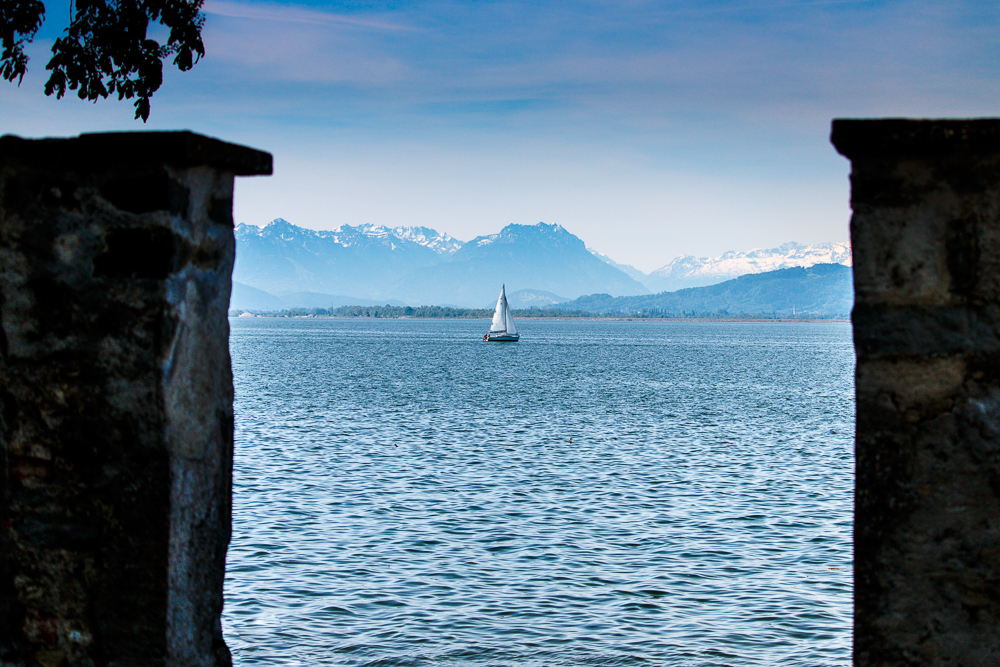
column 502, row 338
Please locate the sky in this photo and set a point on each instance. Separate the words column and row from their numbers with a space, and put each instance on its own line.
column 648, row 129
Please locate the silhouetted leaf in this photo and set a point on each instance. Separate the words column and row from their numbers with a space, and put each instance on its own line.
column 19, row 21
column 106, row 49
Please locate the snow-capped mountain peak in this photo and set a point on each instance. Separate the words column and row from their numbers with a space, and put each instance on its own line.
column 759, row 260
column 440, row 242
column 354, row 235
column 690, row 271
column 547, row 235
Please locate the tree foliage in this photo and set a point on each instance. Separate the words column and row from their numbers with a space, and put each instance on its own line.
column 106, row 49
column 19, row 21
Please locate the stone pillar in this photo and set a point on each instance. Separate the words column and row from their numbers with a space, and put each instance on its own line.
column 116, row 418
column 926, row 238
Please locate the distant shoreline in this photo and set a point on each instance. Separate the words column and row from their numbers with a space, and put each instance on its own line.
column 558, row 319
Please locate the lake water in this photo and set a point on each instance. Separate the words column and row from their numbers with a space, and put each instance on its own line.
column 601, row 493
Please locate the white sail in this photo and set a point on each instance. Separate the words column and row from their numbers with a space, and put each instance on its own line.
column 499, row 315
column 511, row 329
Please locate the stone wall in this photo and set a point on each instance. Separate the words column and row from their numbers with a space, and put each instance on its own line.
column 116, row 420
column 926, row 239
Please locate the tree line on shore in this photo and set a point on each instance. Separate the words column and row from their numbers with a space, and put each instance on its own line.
column 388, row 311
column 446, row 312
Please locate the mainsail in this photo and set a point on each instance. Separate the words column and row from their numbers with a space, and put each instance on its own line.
column 500, row 315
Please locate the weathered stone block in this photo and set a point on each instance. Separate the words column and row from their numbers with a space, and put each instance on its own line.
column 926, row 241
column 116, row 253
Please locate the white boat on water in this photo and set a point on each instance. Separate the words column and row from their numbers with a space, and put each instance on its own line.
column 502, row 329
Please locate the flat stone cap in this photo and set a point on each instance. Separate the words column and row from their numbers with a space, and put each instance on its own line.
column 906, row 136
column 97, row 150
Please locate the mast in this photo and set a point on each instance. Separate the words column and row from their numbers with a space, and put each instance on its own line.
column 503, row 298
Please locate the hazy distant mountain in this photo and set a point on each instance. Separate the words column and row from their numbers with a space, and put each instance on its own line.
column 690, row 271
column 533, row 298
column 821, row 290
column 363, row 261
column 416, row 266
column 536, row 257
column 250, row 298
column 627, row 269
column 245, row 297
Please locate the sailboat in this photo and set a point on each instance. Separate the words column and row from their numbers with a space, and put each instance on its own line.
column 502, row 330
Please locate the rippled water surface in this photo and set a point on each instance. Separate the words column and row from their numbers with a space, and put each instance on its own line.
column 601, row 493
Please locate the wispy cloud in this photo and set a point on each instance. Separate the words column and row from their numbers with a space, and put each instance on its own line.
column 268, row 42
column 653, row 57
column 272, row 12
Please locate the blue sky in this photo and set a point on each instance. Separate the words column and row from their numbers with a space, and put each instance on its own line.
column 649, row 129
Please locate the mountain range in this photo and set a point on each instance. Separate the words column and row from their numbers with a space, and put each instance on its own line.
column 282, row 265
column 416, row 265
column 821, row 290
column 690, row 271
